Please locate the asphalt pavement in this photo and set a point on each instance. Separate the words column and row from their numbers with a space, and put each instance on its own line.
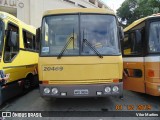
column 84, row 108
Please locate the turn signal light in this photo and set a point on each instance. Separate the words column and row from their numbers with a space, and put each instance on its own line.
column 115, row 80
column 45, row 82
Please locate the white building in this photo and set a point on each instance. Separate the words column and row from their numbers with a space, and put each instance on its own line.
column 31, row 11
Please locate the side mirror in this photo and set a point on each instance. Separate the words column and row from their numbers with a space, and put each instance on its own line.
column 38, row 31
column 38, row 35
column 11, row 38
column 121, row 33
column 138, row 41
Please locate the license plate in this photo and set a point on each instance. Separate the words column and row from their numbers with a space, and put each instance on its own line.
column 81, row 92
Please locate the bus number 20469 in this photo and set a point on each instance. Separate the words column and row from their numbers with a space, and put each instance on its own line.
column 53, row 68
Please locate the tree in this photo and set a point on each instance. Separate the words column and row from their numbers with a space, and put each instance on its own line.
column 132, row 10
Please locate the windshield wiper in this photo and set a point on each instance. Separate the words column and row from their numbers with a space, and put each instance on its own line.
column 91, row 47
column 65, row 47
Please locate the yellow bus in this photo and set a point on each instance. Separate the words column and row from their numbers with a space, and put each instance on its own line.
column 80, row 54
column 18, row 57
column 141, row 56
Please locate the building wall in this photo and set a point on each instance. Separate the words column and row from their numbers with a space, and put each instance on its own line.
column 39, row 6
column 31, row 11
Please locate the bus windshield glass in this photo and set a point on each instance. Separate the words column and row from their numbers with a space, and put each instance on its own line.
column 101, row 32
column 1, row 37
column 57, row 31
column 60, row 35
column 154, row 37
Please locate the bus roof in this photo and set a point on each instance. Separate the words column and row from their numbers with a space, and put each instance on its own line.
column 79, row 10
column 8, row 16
column 139, row 21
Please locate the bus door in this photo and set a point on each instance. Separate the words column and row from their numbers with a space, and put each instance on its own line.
column 133, row 62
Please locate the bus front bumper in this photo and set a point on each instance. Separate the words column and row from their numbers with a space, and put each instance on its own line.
column 73, row 91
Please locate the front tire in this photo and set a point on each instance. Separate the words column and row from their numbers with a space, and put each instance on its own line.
column 29, row 83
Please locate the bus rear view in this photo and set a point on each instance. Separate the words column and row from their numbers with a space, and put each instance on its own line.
column 80, row 54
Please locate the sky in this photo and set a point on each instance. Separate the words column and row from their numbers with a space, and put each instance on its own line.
column 113, row 4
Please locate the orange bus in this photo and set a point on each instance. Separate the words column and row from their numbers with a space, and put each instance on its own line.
column 141, row 56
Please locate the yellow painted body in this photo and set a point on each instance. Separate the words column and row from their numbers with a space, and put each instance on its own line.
column 77, row 70
column 81, row 70
column 26, row 61
column 76, row 10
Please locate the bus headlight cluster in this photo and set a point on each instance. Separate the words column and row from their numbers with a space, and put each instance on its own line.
column 53, row 91
column 46, row 90
column 109, row 89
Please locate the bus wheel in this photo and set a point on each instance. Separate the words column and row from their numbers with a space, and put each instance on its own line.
column 27, row 85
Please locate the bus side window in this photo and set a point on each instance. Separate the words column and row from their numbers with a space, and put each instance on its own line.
column 11, row 51
column 132, row 45
column 29, row 41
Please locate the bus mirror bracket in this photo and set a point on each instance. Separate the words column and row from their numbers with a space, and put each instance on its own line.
column 138, row 36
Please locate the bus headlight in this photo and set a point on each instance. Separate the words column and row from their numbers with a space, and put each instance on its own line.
column 107, row 89
column 54, row 91
column 115, row 89
column 46, row 90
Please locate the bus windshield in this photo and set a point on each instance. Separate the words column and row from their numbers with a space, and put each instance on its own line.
column 101, row 32
column 154, row 37
column 98, row 35
column 1, row 37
